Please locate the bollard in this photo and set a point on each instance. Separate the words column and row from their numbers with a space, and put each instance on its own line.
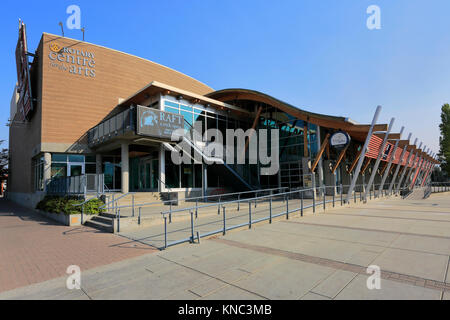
column 239, row 202
column 324, row 201
column 342, row 198
column 132, row 203
column 198, row 237
column 139, row 218
column 256, row 200
column 82, row 214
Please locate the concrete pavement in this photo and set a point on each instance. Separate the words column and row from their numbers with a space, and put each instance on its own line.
column 321, row 256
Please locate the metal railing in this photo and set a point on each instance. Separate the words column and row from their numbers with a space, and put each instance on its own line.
column 118, row 124
column 438, row 187
column 77, row 185
column 290, row 202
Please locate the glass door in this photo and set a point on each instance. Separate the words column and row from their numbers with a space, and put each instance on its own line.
column 75, row 170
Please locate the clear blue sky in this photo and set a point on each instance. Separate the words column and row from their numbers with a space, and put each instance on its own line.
column 315, row 54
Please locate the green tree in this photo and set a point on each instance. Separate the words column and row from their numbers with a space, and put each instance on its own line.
column 444, row 140
column 4, row 160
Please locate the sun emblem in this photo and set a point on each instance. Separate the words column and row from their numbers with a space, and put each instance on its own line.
column 54, row 47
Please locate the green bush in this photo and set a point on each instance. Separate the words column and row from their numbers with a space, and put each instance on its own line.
column 66, row 205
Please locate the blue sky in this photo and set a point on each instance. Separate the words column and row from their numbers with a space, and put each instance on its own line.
column 315, row 54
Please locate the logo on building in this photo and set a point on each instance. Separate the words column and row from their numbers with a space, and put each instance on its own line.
column 149, row 118
column 340, row 140
column 72, row 60
column 55, row 47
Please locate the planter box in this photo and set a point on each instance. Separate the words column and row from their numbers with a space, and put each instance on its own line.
column 66, row 220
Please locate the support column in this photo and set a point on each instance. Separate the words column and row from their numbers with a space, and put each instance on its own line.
column 162, row 169
column 47, row 169
column 125, row 164
column 377, row 163
column 330, row 178
column 98, row 164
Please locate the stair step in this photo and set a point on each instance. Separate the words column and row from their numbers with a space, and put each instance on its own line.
column 103, row 219
column 100, row 226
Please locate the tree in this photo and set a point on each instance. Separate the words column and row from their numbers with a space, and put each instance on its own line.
column 444, row 140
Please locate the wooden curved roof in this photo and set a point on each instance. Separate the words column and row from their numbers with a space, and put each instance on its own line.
column 356, row 131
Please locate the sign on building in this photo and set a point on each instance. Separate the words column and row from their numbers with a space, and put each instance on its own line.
column 25, row 103
column 340, row 140
column 157, row 124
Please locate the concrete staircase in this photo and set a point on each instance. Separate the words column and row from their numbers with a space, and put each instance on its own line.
column 104, row 222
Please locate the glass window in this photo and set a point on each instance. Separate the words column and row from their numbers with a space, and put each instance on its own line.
column 91, row 159
column 56, row 157
column 187, row 176
column 188, row 117
column 171, row 104
column 185, row 108
column 39, row 174
column 172, row 110
column 76, row 158
column 91, row 169
column 198, row 175
column 172, row 173
column 59, row 170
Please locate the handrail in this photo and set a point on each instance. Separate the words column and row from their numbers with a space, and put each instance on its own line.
column 115, row 200
column 165, row 185
column 199, row 198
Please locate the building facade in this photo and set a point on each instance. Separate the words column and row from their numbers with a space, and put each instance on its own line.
column 100, row 112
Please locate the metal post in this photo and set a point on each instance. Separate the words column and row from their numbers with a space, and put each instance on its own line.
column 324, row 200
column 397, row 170
column 224, row 221
column 388, row 169
column 82, row 214
column 270, row 210
column 314, row 200
column 239, row 202
column 165, row 232
column 342, row 194
column 198, row 237
column 256, row 199
column 380, row 155
column 192, row 227
column 334, row 196
column 139, row 218
column 132, row 201
column 405, row 169
column 363, row 153
column 118, row 222
column 249, row 214
column 414, row 164
column 287, row 207
column 301, row 192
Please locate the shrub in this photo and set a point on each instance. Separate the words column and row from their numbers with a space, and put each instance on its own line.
column 67, row 205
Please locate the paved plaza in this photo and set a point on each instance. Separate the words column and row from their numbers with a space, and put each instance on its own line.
column 318, row 256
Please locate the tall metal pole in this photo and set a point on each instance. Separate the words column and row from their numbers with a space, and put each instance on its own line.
column 397, row 170
column 405, row 169
column 386, row 172
column 363, row 154
column 380, row 155
column 413, row 163
column 415, row 170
